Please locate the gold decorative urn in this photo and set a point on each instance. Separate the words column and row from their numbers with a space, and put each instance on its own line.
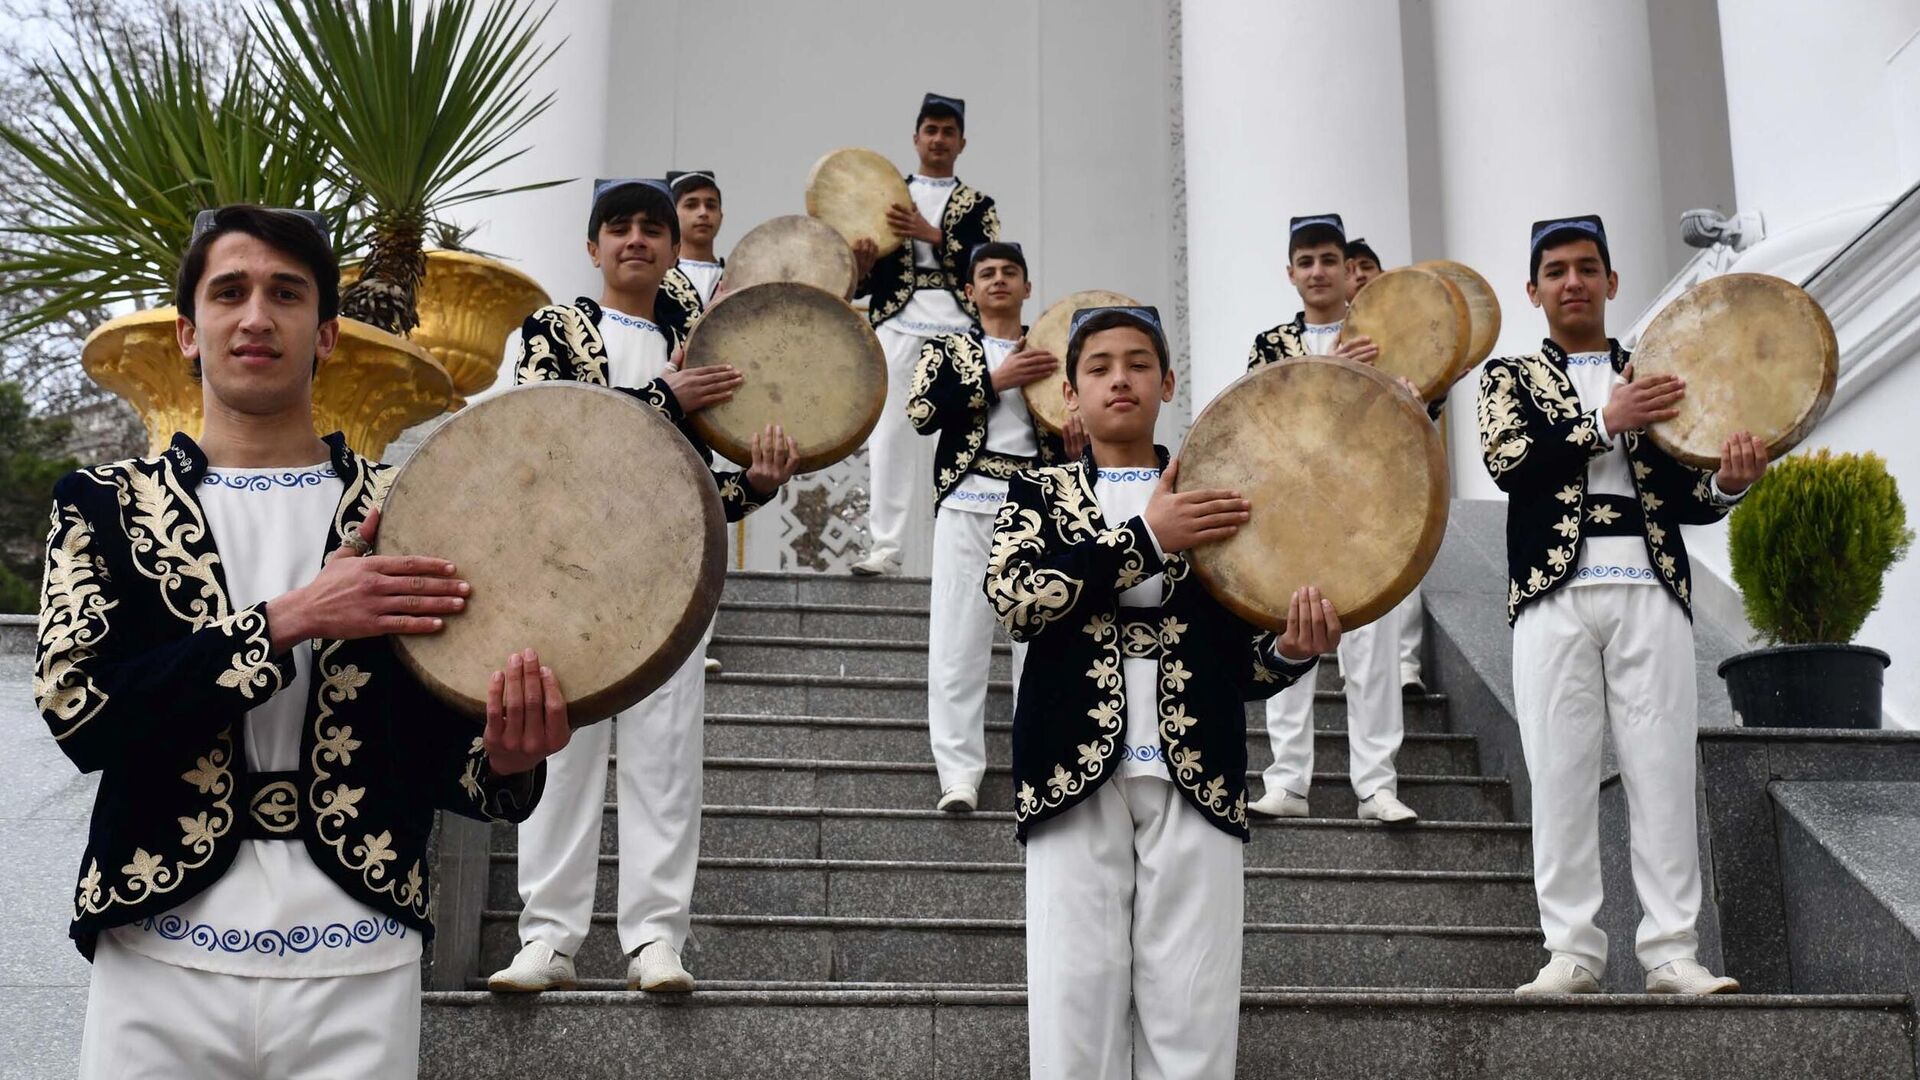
column 372, row 387
column 469, row 305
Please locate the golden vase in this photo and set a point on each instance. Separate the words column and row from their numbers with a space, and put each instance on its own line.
column 469, row 305
column 371, row 387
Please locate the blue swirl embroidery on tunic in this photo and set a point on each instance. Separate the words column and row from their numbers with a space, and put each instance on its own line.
column 1129, row 474
column 1144, row 753
column 982, row 497
column 629, row 320
column 1593, row 359
column 1614, row 573
column 266, row 482
column 298, row 939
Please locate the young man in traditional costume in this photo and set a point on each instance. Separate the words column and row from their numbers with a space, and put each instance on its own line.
column 633, row 235
column 1598, row 594
column 1129, row 738
column 1317, row 268
column 918, row 293
column 696, row 200
column 214, row 643
column 967, row 390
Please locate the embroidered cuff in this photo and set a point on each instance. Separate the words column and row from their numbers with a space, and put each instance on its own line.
column 1159, row 555
column 661, row 396
column 1600, row 425
column 1295, row 668
column 1721, row 498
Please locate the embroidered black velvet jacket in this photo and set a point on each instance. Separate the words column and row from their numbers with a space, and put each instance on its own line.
column 146, row 672
column 953, row 395
column 969, row 221
column 677, row 306
column 1283, row 342
column 1055, row 576
column 562, row 343
column 1537, row 438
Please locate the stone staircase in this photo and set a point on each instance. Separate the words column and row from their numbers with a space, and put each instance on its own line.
column 843, row 928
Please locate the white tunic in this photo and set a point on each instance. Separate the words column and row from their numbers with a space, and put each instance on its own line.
column 704, row 275
column 1123, row 494
column 1321, row 340
column 636, row 349
column 931, row 312
column 1606, row 560
column 273, row 913
column 1009, row 431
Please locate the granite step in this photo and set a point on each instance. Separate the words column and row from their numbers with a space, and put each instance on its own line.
column 891, row 739
column 912, row 784
column 777, row 588
column 895, row 657
column 857, row 621
column 959, row 1033
column 805, row 832
column 791, row 694
column 973, row 950
column 996, row 890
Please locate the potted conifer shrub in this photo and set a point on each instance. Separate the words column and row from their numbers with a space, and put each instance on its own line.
column 1810, row 546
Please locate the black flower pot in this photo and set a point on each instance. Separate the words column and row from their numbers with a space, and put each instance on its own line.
column 1806, row 686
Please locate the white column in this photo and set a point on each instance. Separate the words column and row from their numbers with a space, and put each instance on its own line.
column 1544, row 108
column 544, row 232
column 1814, row 109
column 1289, row 109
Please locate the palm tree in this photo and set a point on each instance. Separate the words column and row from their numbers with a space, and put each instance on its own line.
column 416, row 106
column 141, row 146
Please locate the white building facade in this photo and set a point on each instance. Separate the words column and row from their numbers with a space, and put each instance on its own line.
column 1157, row 148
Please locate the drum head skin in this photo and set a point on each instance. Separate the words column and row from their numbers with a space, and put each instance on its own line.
column 851, row 189
column 1483, row 309
column 812, row 365
column 592, row 534
column 1046, row 399
column 1421, row 323
column 1348, row 481
column 792, row 248
column 1758, row 355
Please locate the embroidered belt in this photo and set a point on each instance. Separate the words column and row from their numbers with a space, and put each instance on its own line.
column 1140, row 632
column 273, row 805
column 1612, row 515
column 999, row 466
column 931, row 279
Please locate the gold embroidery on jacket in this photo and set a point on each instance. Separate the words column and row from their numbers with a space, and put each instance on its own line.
column 73, row 623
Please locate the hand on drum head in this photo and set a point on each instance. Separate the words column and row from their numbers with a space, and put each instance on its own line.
column 1184, row 519
column 1073, row 437
column 1742, row 459
column 526, row 715
column 1024, row 366
column 1313, row 627
column 703, row 386
column 865, row 254
column 906, row 223
column 1359, row 348
column 1639, row 402
column 358, row 595
column 774, row 456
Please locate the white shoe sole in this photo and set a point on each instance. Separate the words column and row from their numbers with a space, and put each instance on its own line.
column 672, row 984
column 1528, row 991
column 508, row 986
column 1721, row 985
column 1283, row 812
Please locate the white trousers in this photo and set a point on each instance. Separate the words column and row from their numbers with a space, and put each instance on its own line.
column 657, row 789
column 148, row 1019
column 1133, row 897
column 1413, row 624
column 900, row 463
column 960, row 628
column 1587, row 660
column 1376, row 717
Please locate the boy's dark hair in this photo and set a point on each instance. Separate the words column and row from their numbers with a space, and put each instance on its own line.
column 944, row 107
column 694, row 180
column 1358, row 248
column 1108, row 320
column 286, row 232
column 645, row 201
column 996, row 249
column 1313, row 236
column 1565, row 236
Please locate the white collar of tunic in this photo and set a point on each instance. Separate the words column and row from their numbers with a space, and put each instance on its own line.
column 268, row 479
column 1128, row 474
column 1596, row 358
column 625, row 319
column 991, row 340
column 1323, row 328
column 701, row 263
column 936, row 181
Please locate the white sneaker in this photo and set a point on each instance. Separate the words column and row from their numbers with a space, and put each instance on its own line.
column 535, row 967
column 657, row 969
column 959, row 799
column 1561, row 976
column 874, row 566
column 1410, row 681
column 711, row 665
column 1280, row 803
column 1688, row 976
column 1383, row 807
